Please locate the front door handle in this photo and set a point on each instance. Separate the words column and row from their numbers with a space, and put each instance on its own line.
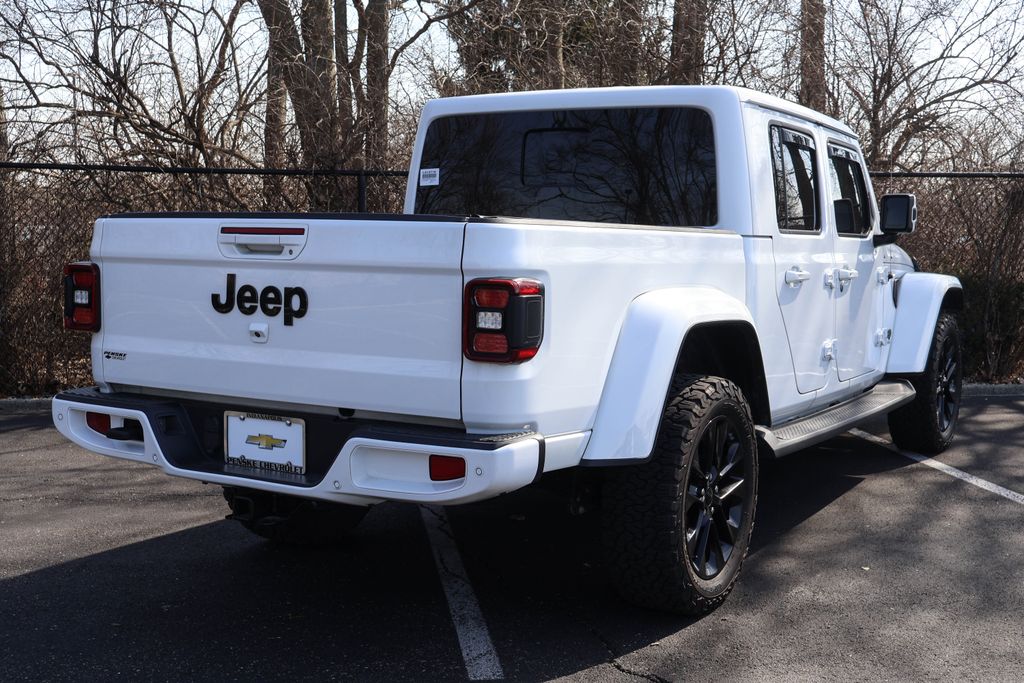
column 795, row 275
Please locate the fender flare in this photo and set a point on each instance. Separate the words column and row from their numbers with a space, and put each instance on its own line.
column 917, row 310
column 645, row 357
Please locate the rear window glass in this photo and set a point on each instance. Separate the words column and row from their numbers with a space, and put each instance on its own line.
column 645, row 166
column 796, row 180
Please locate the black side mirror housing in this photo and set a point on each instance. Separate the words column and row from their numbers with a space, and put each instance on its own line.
column 899, row 217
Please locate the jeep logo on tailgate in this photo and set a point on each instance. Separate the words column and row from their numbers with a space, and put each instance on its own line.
column 294, row 301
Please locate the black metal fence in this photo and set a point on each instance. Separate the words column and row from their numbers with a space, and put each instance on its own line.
column 972, row 225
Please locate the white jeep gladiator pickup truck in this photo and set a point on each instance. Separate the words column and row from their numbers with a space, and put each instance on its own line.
column 655, row 286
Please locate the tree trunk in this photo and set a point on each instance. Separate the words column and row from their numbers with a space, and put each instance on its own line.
column 346, row 115
column 812, row 54
column 273, row 130
column 309, row 77
column 377, row 78
column 689, row 29
column 631, row 22
column 7, row 255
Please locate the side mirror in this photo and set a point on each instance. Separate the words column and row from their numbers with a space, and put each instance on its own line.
column 899, row 217
column 899, row 214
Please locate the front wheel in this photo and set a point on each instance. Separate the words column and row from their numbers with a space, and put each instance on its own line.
column 676, row 529
column 928, row 423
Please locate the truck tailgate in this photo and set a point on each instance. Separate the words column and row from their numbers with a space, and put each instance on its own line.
column 359, row 313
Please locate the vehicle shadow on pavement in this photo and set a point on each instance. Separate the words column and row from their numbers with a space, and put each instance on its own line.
column 538, row 571
column 212, row 601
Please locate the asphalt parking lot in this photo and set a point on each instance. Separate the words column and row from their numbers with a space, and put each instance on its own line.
column 865, row 565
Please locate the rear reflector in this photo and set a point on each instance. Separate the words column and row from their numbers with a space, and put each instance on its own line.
column 82, row 297
column 446, row 468
column 490, row 343
column 98, row 422
column 503, row 320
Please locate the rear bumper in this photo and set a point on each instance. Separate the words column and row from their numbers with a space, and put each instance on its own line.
column 373, row 461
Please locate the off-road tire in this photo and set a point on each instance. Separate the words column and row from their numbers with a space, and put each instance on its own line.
column 644, row 507
column 918, row 425
column 292, row 520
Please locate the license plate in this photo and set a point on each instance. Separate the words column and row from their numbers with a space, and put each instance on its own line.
column 265, row 442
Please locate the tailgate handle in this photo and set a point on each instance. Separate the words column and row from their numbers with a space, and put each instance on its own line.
column 274, row 242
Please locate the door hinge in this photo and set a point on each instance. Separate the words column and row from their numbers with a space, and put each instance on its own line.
column 883, row 336
column 882, row 275
column 830, row 279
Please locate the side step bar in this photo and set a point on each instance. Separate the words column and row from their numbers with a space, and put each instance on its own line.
column 807, row 431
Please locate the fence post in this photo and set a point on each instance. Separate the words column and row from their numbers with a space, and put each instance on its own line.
column 362, row 191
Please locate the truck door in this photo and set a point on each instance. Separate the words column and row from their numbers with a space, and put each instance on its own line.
column 802, row 249
column 857, row 286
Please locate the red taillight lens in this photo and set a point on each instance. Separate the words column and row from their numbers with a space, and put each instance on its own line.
column 503, row 319
column 82, row 297
column 446, row 468
column 488, row 297
column 98, row 422
column 484, row 342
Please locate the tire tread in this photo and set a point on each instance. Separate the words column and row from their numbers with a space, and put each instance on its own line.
column 643, row 539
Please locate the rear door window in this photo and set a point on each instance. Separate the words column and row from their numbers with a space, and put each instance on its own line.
column 795, row 173
column 643, row 166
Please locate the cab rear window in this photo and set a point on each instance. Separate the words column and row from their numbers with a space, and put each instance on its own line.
column 642, row 166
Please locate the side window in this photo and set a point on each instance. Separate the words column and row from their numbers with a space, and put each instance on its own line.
column 849, row 192
column 796, row 180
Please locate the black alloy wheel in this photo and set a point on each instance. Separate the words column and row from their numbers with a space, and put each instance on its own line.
column 716, row 497
column 928, row 423
column 677, row 527
column 947, row 390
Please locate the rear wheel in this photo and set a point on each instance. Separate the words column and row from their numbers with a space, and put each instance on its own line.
column 290, row 519
column 677, row 528
column 928, row 424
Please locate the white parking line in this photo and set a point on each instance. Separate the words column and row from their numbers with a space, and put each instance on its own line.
column 477, row 649
column 943, row 467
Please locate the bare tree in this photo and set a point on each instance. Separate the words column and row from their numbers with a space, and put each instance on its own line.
column 507, row 45
column 378, row 75
column 160, row 81
column 812, row 54
column 907, row 74
column 337, row 67
column 274, row 127
column 689, row 31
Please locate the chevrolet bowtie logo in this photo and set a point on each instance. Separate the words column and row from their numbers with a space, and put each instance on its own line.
column 266, row 441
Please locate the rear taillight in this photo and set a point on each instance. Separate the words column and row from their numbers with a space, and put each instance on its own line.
column 503, row 320
column 82, row 297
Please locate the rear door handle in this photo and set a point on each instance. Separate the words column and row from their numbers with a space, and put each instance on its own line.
column 845, row 275
column 795, row 275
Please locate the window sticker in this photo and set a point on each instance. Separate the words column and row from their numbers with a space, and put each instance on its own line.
column 430, row 176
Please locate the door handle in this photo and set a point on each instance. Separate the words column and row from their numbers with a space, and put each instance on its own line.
column 283, row 242
column 847, row 274
column 795, row 275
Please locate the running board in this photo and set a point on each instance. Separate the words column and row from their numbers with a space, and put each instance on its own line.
column 807, row 431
